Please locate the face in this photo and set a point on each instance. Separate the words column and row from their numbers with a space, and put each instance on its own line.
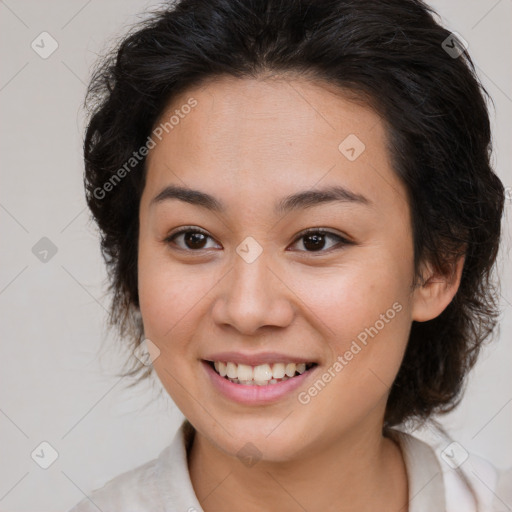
column 233, row 278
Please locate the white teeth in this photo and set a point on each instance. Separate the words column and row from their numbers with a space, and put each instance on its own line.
column 222, row 369
column 245, row 372
column 260, row 375
column 262, row 372
column 278, row 370
column 290, row 369
column 232, row 371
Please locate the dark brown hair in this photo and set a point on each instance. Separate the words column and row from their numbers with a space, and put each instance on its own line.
column 409, row 68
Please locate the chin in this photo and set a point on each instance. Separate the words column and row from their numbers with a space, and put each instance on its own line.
column 270, row 438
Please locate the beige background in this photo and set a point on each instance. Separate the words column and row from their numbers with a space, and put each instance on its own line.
column 55, row 386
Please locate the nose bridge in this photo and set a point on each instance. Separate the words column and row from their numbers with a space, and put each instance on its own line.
column 251, row 274
column 253, row 296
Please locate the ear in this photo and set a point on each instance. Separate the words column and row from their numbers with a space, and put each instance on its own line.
column 432, row 296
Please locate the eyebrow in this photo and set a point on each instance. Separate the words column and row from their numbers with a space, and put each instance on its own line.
column 298, row 200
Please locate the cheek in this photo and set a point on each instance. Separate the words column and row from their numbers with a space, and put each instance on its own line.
column 366, row 323
column 348, row 298
column 168, row 293
column 364, row 311
column 170, row 300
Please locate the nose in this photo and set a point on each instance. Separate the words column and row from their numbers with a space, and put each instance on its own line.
column 253, row 295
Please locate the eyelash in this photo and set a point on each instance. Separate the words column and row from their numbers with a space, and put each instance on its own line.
column 317, row 231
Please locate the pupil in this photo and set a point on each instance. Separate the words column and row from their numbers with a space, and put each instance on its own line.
column 194, row 238
column 318, row 241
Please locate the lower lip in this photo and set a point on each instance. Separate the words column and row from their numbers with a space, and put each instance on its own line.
column 255, row 395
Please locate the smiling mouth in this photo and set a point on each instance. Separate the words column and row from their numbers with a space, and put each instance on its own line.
column 261, row 375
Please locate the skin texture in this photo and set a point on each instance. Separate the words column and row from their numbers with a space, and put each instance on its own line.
column 249, row 143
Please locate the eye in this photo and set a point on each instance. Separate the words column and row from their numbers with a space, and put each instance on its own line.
column 314, row 240
column 193, row 238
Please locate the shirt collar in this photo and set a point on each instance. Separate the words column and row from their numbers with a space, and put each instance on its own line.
column 424, row 474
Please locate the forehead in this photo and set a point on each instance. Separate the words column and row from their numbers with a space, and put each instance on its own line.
column 265, row 138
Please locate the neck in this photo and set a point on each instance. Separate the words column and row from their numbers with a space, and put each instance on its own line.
column 363, row 472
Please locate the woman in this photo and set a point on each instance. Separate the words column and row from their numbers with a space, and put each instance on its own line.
column 300, row 221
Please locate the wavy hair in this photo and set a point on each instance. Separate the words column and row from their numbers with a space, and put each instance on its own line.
column 392, row 55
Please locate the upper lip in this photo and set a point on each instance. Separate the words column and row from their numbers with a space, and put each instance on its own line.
column 256, row 359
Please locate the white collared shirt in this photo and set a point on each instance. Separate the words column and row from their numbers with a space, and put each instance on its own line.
column 164, row 484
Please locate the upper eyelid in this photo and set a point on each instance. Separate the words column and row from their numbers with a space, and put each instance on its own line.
column 325, row 231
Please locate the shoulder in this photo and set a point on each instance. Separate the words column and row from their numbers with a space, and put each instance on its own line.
column 160, row 484
column 477, row 482
column 468, row 482
column 504, row 491
column 133, row 490
column 473, row 482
